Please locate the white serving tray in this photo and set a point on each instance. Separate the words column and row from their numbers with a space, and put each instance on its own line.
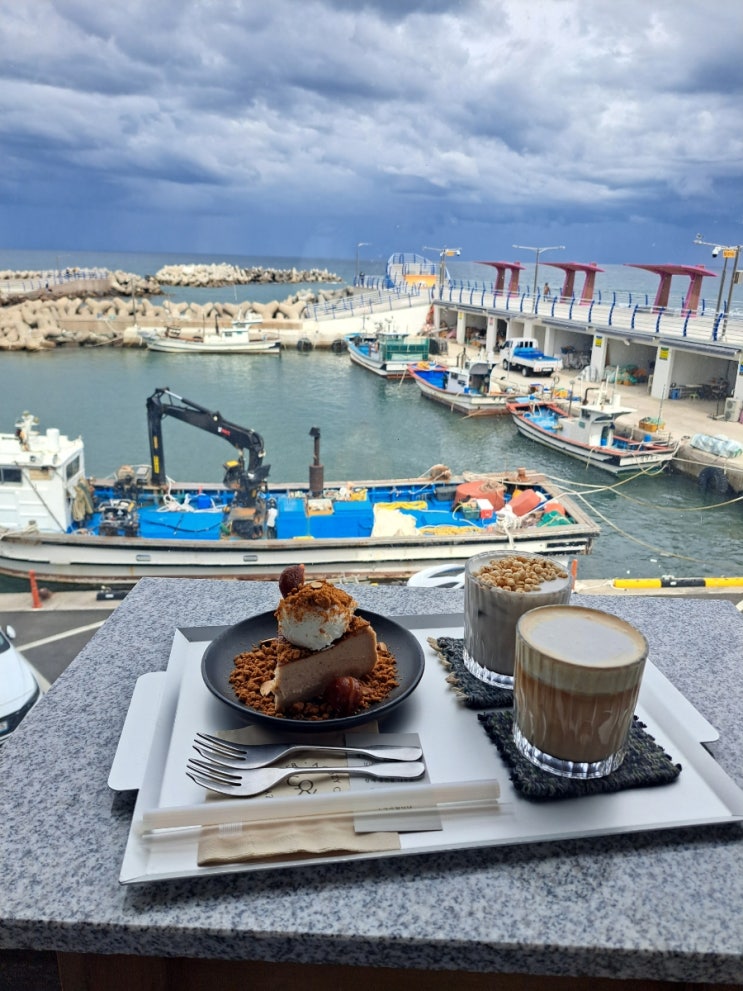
column 455, row 747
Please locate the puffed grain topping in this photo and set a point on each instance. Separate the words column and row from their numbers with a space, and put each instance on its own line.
column 518, row 573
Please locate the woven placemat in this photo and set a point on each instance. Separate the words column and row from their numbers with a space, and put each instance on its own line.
column 475, row 694
column 645, row 766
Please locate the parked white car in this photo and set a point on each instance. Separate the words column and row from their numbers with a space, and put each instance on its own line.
column 439, row 576
column 19, row 689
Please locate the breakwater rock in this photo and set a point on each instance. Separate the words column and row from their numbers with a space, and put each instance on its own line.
column 232, row 275
column 20, row 284
column 41, row 323
column 125, row 283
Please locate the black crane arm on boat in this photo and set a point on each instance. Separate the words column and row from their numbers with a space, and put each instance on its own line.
column 163, row 402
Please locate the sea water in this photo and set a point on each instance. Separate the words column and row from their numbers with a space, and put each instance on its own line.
column 651, row 526
column 370, row 428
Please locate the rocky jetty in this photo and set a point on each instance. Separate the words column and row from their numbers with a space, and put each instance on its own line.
column 232, row 275
column 41, row 323
column 127, row 284
column 73, row 281
column 41, row 310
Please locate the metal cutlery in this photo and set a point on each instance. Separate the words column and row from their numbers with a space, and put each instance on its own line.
column 246, row 784
column 245, row 756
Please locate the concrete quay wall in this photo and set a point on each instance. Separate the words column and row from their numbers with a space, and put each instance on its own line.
column 713, row 473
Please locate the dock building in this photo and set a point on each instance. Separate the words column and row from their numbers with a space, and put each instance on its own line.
column 689, row 351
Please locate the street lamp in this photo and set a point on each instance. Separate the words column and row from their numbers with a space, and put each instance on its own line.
column 361, row 244
column 444, row 253
column 525, row 247
column 728, row 251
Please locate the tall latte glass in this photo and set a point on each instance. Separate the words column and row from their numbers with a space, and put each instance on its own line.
column 576, row 681
column 499, row 587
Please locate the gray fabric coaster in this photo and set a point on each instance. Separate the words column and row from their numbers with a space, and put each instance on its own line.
column 475, row 694
column 645, row 766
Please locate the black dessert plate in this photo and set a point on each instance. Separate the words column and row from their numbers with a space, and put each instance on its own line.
column 218, row 662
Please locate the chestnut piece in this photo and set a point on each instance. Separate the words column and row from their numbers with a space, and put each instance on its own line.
column 291, row 579
column 344, row 695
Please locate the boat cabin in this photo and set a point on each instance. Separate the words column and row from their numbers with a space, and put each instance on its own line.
column 473, row 377
column 392, row 344
column 594, row 425
column 42, row 477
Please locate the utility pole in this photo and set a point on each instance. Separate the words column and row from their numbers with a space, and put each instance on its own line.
column 361, row 244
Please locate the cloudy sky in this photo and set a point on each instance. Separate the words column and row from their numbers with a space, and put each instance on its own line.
column 302, row 127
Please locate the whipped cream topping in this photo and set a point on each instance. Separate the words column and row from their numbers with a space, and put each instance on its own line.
column 315, row 615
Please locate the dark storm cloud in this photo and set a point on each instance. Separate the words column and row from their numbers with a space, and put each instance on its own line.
column 384, row 116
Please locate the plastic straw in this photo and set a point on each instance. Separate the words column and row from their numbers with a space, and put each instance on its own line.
column 451, row 796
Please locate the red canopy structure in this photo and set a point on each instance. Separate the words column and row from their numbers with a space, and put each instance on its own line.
column 500, row 279
column 666, row 272
column 571, row 269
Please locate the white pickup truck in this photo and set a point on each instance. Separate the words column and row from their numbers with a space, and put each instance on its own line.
column 522, row 353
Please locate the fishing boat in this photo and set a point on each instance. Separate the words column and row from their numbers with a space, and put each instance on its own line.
column 66, row 527
column 467, row 388
column 589, row 432
column 243, row 336
column 387, row 351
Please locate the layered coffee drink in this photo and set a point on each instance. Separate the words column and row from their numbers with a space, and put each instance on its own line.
column 499, row 587
column 576, row 681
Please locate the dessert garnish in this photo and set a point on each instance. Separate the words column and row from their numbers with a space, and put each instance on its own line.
column 325, row 661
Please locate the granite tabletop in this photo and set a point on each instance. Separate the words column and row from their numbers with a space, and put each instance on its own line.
column 664, row 904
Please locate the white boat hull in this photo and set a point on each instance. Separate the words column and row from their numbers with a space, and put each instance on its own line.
column 215, row 346
column 469, row 404
column 78, row 559
column 386, row 369
column 609, row 459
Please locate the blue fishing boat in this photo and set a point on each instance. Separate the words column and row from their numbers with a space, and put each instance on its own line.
column 468, row 388
column 590, row 432
column 68, row 527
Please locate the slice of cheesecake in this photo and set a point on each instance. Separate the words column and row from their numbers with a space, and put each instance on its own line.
column 303, row 674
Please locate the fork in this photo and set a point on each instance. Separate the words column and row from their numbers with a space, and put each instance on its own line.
column 246, row 784
column 245, row 756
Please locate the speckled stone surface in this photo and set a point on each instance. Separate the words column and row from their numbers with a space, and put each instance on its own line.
column 665, row 905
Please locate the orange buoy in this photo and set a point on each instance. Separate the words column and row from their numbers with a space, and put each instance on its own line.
column 553, row 506
column 525, row 502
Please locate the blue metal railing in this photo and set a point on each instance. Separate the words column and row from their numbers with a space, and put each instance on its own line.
column 44, row 280
column 619, row 309
column 375, row 301
column 622, row 309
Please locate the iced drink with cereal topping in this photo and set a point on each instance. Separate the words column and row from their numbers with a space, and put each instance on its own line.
column 499, row 587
